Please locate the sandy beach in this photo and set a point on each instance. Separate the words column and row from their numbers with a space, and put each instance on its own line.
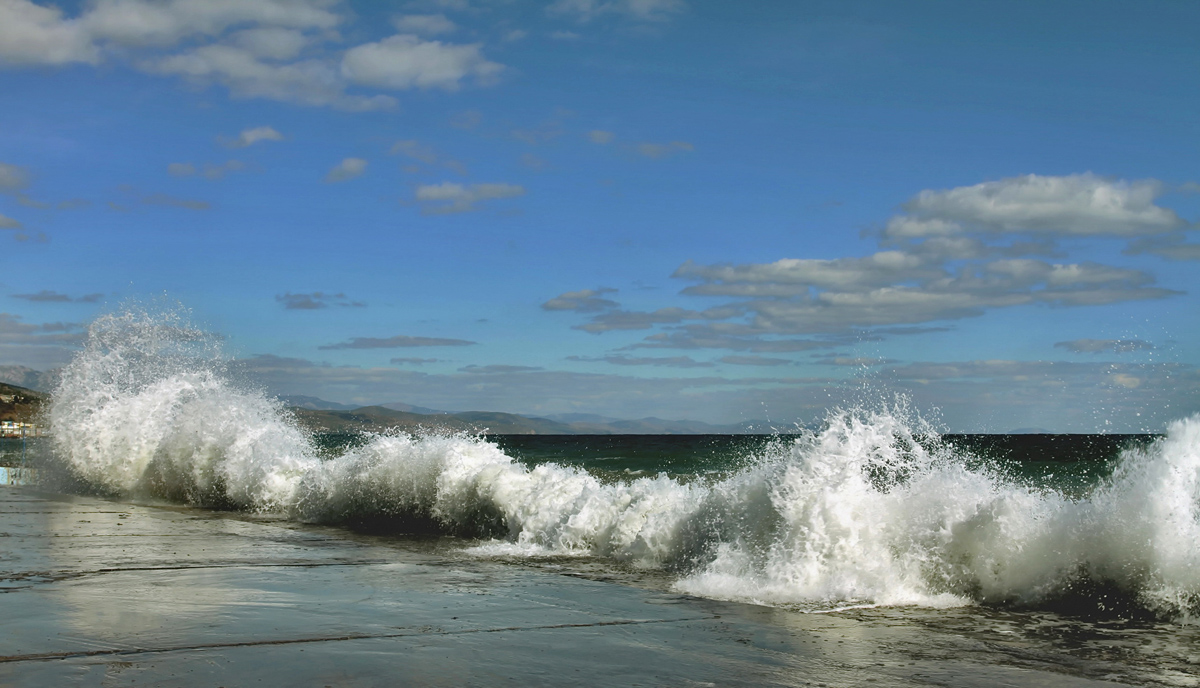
column 105, row 593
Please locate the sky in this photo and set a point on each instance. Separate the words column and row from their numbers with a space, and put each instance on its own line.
column 690, row 209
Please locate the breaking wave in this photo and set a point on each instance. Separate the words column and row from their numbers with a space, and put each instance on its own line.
column 872, row 509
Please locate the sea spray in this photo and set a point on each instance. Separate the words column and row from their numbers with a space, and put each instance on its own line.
column 872, row 509
column 147, row 409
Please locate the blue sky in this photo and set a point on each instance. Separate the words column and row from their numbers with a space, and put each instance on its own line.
column 710, row 210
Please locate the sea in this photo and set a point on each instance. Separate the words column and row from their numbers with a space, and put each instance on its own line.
column 1087, row 545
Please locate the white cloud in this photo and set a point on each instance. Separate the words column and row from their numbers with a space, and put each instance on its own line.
column 405, row 61
column 601, row 137
column 794, row 276
column 449, row 197
column 147, row 23
column 1074, row 205
column 9, row 223
column 640, row 10
column 12, row 177
column 249, row 46
column 346, row 169
column 424, row 24
column 1172, row 246
column 249, row 137
column 34, row 35
column 582, row 301
column 181, row 169
column 272, row 43
column 662, row 150
column 933, row 274
column 309, row 82
column 416, row 150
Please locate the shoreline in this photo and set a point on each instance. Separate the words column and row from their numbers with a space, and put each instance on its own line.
column 97, row 590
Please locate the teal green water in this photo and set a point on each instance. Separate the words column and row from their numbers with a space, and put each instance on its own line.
column 1067, row 463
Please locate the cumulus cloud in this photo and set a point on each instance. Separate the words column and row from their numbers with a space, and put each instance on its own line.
column 935, row 273
column 249, row 137
column 1101, row 346
column 315, row 300
column 637, row 320
column 31, row 34
column 601, row 137
column 9, row 223
column 48, row 296
column 272, row 43
column 14, row 331
column 397, row 342
column 346, row 170
column 1071, row 205
column 582, row 301
column 174, row 202
column 405, row 61
column 1172, row 246
column 35, row 35
column 449, row 197
column 245, row 74
column 790, row 276
column 146, row 23
column 13, row 178
column 252, row 47
column 638, row 10
column 424, row 24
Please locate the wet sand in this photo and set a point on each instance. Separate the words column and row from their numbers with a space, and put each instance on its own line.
column 101, row 593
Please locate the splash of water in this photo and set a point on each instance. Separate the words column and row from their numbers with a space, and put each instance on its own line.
column 873, row 509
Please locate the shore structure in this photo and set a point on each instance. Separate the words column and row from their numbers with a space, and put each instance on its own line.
column 15, row 430
column 97, row 592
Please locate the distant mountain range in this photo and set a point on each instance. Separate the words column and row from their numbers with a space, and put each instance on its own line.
column 389, row 416
column 37, row 380
column 319, row 414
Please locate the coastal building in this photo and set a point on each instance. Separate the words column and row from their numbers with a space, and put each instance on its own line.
column 10, row 429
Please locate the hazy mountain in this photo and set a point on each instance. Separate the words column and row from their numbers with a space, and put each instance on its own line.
column 381, row 418
column 37, row 380
column 409, row 408
column 314, row 403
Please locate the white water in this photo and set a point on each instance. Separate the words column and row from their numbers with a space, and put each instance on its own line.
column 856, row 514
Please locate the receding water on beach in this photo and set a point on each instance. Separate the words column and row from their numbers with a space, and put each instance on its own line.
column 1085, row 544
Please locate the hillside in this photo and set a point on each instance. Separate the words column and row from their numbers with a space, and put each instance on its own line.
column 20, row 403
column 382, row 418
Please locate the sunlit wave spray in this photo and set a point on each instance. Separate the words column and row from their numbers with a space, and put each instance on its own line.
column 872, row 509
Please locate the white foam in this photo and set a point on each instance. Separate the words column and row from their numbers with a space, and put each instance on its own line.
column 858, row 514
